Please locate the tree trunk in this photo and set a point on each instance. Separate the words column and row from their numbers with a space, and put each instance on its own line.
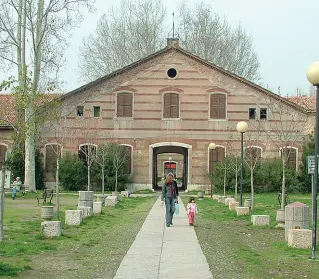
column 225, row 173
column 89, row 177
column 236, row 182
column 283, row 186
column 2, row 201
column 57, row 189
column 103, row 180
column 116, row 180
column 252, row 189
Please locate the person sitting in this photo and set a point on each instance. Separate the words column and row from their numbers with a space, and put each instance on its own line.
column 16, row 187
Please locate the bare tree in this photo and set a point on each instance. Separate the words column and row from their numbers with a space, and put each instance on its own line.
column 33, row 38
column 124, row 35
column 211, row 37
column 102, row 156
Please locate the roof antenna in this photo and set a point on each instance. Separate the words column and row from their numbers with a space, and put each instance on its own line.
column 173, row 25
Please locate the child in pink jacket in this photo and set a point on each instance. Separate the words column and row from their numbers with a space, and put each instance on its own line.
column 191, row 211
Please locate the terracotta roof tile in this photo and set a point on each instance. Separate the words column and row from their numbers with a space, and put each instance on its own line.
column 308, row 102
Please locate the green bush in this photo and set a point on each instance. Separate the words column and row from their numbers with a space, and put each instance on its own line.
column 73, row 173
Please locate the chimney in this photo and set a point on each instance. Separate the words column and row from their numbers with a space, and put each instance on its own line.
column 172, row 42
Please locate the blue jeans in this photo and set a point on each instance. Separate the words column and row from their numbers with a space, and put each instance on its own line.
column 170, row 209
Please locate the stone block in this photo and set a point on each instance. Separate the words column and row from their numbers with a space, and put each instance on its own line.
column 73, row 217
column 97, row 207
column 260, row 220
column 242, row 210
column 233, row 205
column 229, row 200
column 85, row 203
column 215, row 197
column 86, row 195
column 247, row 203
column 101, row 198
column 300, row 238
column 51, row 228
column 111, row 201
column 86, row 211
column 221, row 199
column 125, row 194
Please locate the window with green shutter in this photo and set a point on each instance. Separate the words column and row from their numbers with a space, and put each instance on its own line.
column 218, row 106
column 124, row 105
column 171, row 105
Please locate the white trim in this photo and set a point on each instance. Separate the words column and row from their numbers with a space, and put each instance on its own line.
column 131, row 146
column 217, row 145
column 297, row 154
column 180, row 144
column 115, row 109
column 90, row 144
column 179, row 105
column 256, row 146
column 226, row 101
column 45, row 152
column 7, row 146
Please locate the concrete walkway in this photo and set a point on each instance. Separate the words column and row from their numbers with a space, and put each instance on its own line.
column 159, row 252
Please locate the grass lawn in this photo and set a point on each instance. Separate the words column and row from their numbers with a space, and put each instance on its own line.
column 236, row 249
column 92, row 250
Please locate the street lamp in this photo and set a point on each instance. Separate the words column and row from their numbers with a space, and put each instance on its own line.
column 211, row 146
column 313, row 77
column 242, row 127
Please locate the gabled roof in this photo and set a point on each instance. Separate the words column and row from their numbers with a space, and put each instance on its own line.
column 308, row 102
column 177, row 48
column 8, row 110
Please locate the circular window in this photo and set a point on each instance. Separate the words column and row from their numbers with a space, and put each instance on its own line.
column 172, row 73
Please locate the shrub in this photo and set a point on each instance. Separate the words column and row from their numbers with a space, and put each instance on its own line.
column 73, row 173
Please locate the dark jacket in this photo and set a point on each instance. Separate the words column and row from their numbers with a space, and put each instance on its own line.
column 166, row 193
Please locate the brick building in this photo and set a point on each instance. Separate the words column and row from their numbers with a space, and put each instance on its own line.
column 168, row 107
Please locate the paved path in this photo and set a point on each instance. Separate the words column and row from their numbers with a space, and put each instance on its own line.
column 159, row 252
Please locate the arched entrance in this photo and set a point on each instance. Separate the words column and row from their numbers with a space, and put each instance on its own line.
column 184, row 151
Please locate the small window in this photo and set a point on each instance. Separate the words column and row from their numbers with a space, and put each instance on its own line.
column 172, row 73
column 80, row 110
column 96, row 111
column 124, row 105
column 263, row 113
column 252, row 113
column 217, row 106
column 171, row 105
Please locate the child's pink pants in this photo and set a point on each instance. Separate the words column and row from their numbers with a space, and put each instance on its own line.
column 191, row 216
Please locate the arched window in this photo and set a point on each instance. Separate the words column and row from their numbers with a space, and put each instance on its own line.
column 51, row 155
column 217, row 106
column 291, row 154
column 3, row 150
column 87, row 152
column 253, row 154
column 129, row 161
column 171, row 105
column 216, row 156
column 124, row 105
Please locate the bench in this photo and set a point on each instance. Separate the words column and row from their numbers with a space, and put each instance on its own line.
column 286, row 198
column 23, row 189
column 46, row 195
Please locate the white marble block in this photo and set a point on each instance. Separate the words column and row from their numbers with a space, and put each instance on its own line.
column 233, row 205
column 86, row 211
column 242, row 210
column 97, row 207
column 73, row 217
column 260, row 220
column 51, row 228
column 229, row 200
column 300, row 238
column 125, row 194
column 221, row 199
column 111, row 201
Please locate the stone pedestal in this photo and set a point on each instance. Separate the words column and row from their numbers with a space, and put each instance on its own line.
column 86, row 211
column 51, row 228
column 229, row 200
column 125, row 194
column 97, row 208
column 111, row 201
column 101, row 198
column 233, row 205
column 73, row 217
column 299, row 238
column 242, row 210
column 221, row 199
column 85, row 199
column 260, row 220
column 280, row 218
column 296, row 217
column 247, row 203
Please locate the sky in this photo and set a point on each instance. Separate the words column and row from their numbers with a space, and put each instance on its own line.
column 285, row 34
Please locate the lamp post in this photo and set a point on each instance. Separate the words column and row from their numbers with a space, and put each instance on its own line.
column 242, row 127
column 313, row 77
column 211, row 146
